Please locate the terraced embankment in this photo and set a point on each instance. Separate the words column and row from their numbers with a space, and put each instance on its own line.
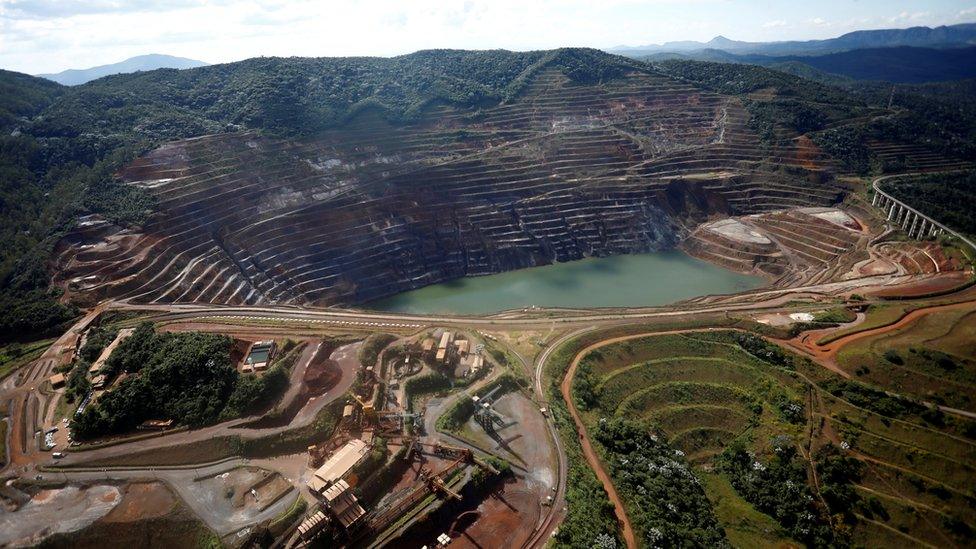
column 769, row 433
column 563, row 172
column 701, row 388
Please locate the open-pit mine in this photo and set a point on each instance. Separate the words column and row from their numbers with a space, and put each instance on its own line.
column 566, row 171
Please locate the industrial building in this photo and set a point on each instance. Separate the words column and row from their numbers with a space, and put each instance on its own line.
column 312, row 525
column 259, row 357
column 57, row 381
column 96, row 366
column 338, row 466
column 342, row 504
column 327, row 483
column 444, row 346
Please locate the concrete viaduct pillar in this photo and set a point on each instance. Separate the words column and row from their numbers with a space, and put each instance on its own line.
column 914, row 223
column 915, row 219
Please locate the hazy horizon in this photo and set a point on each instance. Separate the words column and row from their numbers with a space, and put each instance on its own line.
column 48, row 36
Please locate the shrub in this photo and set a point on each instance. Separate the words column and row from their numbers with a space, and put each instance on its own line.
column 893, row 357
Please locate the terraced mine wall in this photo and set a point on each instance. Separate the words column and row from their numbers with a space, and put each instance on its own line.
column 564, row 172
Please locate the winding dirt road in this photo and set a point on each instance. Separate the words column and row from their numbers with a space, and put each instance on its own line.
column 828, row 352
column 618, row 505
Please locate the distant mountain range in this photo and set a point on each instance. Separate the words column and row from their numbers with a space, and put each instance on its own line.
column 73, row 77
column 901, row 64
column 940, row 37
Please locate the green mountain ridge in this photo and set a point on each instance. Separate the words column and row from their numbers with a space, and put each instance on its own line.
column 902, row 64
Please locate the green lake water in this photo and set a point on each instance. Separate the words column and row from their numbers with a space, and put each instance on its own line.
column 620, row 281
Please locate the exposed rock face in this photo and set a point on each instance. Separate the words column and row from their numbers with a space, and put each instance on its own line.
column 565, row 172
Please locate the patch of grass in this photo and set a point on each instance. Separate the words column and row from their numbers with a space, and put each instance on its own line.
column 875, row 317
column 743, row 524
column 606, row 360
column 908, row 430
column 932, row 358
column 918, row 460
column 65, row 409
column 649, row 399
column 280, row 524
column 16, row 355
column 417, row 386
column 698, row 370
column 372, row 347
column 217, row 448
column 679, row 419
column 836, row 315
column 454, row 417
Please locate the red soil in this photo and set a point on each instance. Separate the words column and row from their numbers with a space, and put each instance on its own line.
column 141, row 501
column 941, row 283
column 322, row 373
column 505, row 518
column 807, row 152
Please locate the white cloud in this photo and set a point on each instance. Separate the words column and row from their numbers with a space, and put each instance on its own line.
column 774, row 24
column 907, row 17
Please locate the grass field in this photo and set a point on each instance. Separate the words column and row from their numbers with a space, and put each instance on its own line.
column 875, row 317
column 933, row 358
column 703, row 392
column 16, row 355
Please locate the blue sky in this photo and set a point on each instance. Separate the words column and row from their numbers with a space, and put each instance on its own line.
column 50, row 35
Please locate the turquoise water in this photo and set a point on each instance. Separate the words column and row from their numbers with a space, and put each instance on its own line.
column 620, row 281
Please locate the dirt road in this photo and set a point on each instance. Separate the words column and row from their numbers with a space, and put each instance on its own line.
column 618, row 505
column 28, row 403
column 346, row 358
column 826, row 354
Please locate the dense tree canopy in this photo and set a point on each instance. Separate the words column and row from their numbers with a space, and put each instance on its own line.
column 187, row 377
column 948, row 198
column 665, row 499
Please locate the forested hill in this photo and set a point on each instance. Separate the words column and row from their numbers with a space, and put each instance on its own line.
column 901, row 64
column 937, row 117
column 23, row 96
column 305, row 95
